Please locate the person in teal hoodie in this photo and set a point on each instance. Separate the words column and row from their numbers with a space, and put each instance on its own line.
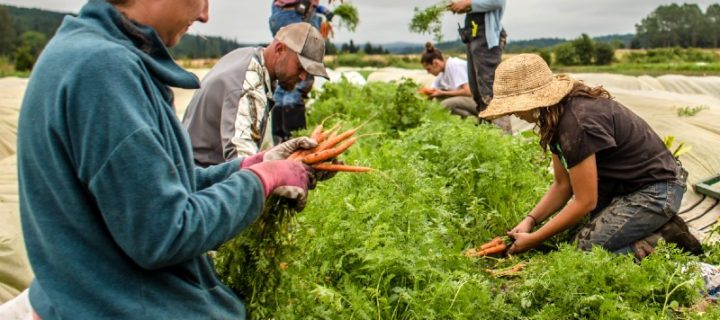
column 117, row 219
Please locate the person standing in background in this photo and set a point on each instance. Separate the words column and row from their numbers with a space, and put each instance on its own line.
column 485, row 38
column 289, row 112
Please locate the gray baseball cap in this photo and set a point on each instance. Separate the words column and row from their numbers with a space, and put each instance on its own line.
column 309, row 45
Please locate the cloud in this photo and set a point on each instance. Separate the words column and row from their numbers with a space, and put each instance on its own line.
column 383, row 21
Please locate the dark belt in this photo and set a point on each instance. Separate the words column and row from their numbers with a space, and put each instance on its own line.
column 478, row 17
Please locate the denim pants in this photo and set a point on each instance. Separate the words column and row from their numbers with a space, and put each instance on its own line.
column 278, row 19
column 289, row 112
column 482, row 62
column 618, row 223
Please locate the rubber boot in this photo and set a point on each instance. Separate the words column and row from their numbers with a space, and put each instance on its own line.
column 677, row 232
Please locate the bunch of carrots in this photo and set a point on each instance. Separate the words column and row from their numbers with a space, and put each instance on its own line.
column 494, row 246
column 426, row 91
column 326, row 30
column 331, row 144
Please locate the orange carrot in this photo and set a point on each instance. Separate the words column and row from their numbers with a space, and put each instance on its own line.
column 494, row 242
column 327, row 135
column 323, row 155
column 297, row 155
column 426, row 91
column 317, row 133
column 493, row 250
column 340, row 167
column 326, row 29
column 333, row 128
column 333, row 140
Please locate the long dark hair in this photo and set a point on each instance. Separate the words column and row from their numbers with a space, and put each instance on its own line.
column 550, row 117
column 430, row 54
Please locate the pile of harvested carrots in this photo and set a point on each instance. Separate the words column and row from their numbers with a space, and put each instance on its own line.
column 494, row 246
column 331, row 144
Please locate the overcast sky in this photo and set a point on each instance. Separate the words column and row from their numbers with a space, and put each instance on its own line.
column 384, row 21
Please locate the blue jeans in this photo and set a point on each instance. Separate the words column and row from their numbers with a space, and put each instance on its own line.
column 289, row 111
column 278, row 19
column 618, row 223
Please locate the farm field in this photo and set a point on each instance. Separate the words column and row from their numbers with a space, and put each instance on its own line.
column 389, row 244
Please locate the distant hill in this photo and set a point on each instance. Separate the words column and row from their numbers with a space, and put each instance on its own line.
column 27, row 19
column 532, row 44
column 47, row 22
column 414, row 48
column 512, row 46
column 625, row 39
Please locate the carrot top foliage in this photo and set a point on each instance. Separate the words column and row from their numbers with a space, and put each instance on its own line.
column 388, row 244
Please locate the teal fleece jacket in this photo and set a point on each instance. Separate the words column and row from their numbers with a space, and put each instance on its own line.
column 117, row 219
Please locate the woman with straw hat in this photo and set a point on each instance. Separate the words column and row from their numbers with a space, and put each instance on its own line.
column 615, row 184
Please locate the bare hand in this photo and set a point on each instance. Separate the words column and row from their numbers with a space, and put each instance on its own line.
column 525, row 226
column 523, row 242
column 437, row 94
column 460, row 6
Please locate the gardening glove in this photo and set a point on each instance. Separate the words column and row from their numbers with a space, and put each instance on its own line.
column 284, row 178
column 279, row 152
column 287, row 148
column 329, row 15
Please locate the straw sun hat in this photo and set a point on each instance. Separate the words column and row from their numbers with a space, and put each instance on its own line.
column 525, row 82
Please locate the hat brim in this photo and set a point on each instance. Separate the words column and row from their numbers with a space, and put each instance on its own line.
column 313, row 67
column 545, row 96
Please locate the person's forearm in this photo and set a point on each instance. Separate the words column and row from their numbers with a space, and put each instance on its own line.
column 554, row 199
column 457, row 93
column 573, row 212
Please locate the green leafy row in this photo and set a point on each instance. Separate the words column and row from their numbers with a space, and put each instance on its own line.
column 388, row 244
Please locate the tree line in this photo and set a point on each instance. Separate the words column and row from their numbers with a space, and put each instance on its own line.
column 676, row 25
column 24, row 32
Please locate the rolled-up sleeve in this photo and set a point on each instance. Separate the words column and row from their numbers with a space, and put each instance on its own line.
column 487, row 5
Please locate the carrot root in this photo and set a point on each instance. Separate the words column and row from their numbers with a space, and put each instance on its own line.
column 494, row 242
column 327, row 154
column 340, row 168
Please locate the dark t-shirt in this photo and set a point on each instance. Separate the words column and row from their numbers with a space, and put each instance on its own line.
column 628, row 153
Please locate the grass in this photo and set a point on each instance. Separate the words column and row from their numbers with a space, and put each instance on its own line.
column 7, row 69
column 689, row 111
column 412, row 61
column 651, row 69
column 360, row 60
column 625, row 68
column 387, row 245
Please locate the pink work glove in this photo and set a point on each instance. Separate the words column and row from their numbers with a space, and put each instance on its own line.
column 279, row 152
column 284, row 178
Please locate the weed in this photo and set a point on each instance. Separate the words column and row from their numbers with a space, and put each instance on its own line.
column 689, row 111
